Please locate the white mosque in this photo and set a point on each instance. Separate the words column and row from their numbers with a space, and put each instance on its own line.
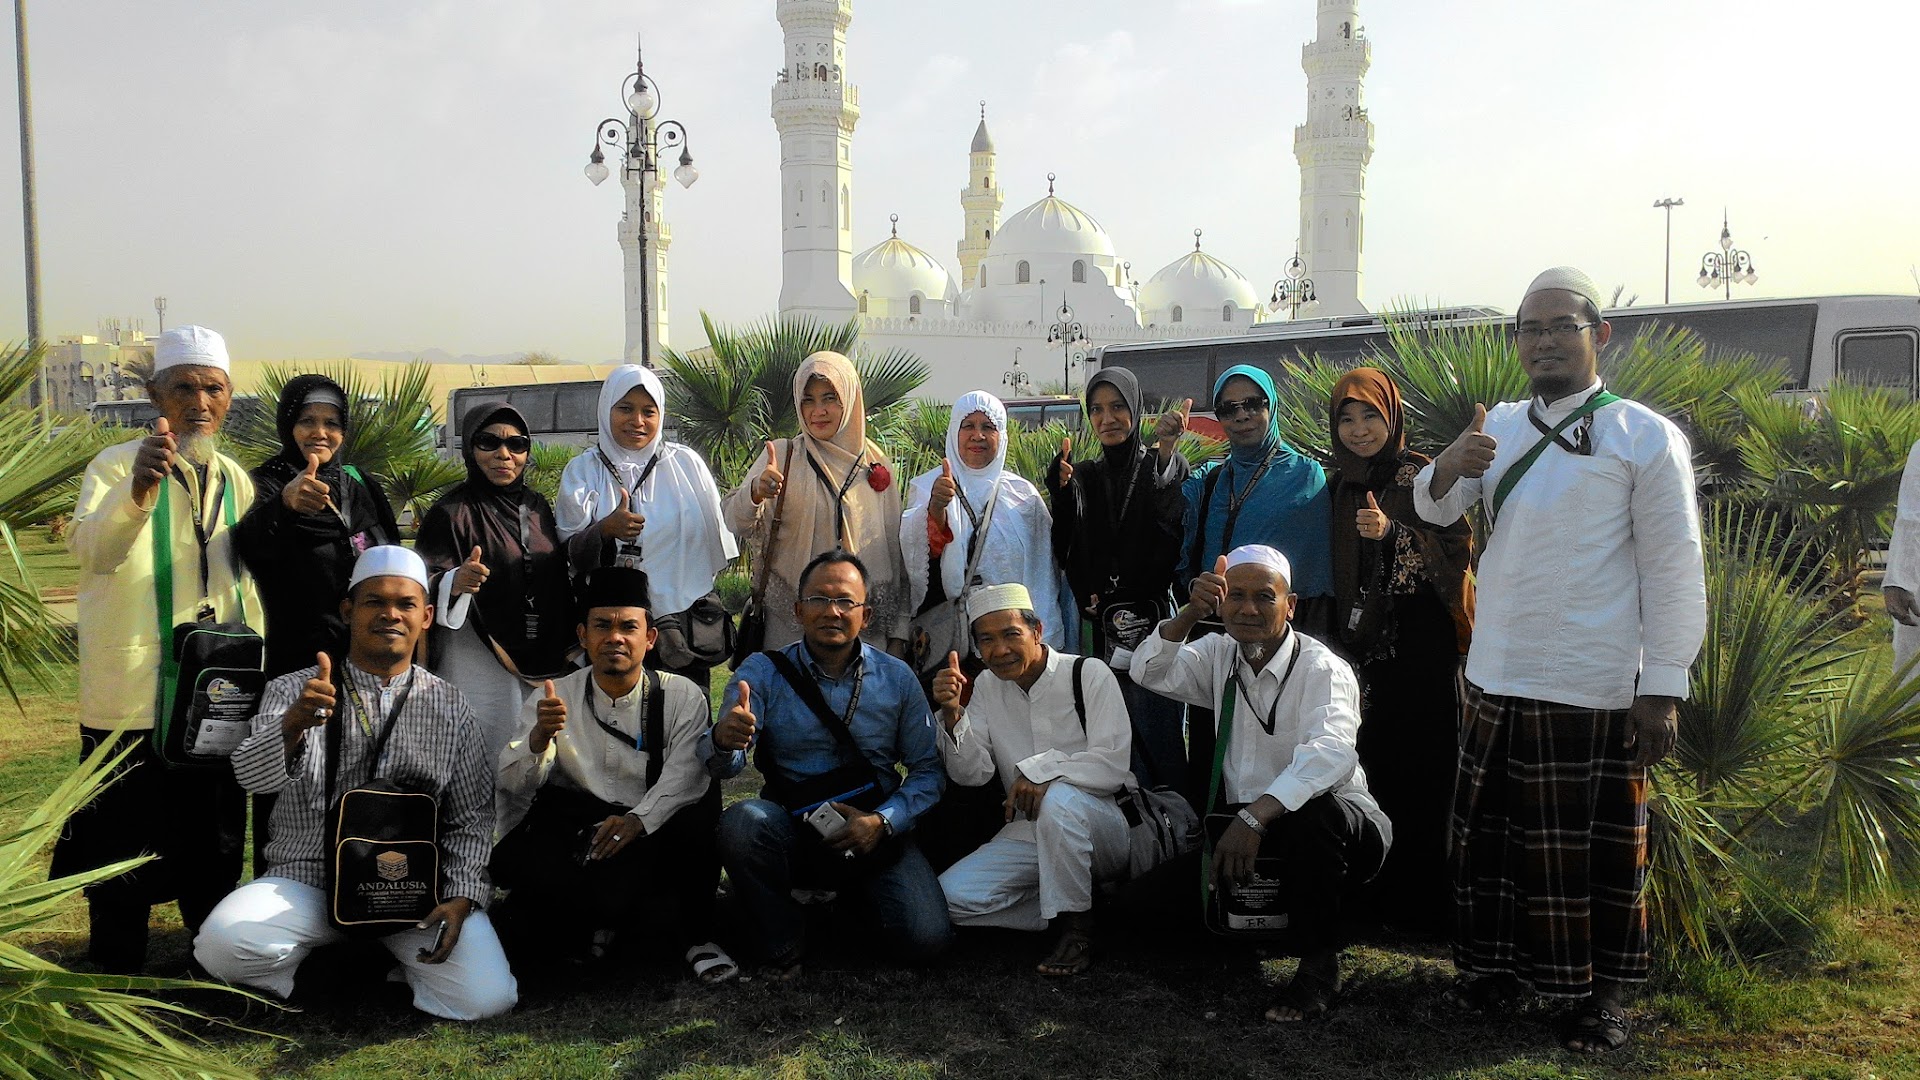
column 1018, row 274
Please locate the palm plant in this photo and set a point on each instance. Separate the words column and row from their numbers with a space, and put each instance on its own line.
column 40, row 466
column 62, row 1023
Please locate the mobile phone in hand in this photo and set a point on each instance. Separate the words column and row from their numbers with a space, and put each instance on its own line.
column 827, row 821
column 439, row 938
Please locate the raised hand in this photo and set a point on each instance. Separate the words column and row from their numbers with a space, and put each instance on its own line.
column 623, row 523
column 944, row 490
column 154, row 461
column 306, row 493
column 470, row 575
column 1062, row 471
column 769, row 482
column 550, row 719
column 949, row 686
column 1170, row 426
column 1370, row 519
column 313, row 706
column 1470, row 455
column 736, row 729
column 1209, row 589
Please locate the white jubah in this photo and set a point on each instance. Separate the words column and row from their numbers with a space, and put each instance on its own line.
column 1033, row 871
column 1903, row 555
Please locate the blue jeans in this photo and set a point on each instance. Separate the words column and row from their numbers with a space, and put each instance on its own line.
column 762, row 849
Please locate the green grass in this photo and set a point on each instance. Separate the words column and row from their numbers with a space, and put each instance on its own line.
column 48, row 561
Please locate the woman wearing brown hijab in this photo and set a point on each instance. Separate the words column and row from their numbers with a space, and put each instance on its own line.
column 839, row 491
column 1403, row 615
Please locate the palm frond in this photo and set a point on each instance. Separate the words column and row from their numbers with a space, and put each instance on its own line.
column 1865, row 783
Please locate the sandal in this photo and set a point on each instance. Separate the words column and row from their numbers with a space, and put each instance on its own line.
column 1309, row 996
column 711, row 964
column 1594, row 1029
column 1072, row 956
column 782, row 972
column 1482, row 993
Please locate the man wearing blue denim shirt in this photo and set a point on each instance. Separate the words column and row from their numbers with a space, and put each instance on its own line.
column 766, row 844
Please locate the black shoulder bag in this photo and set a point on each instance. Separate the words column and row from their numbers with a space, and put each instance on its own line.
column 1161, row 823
column 383, row 839
column 855, row 783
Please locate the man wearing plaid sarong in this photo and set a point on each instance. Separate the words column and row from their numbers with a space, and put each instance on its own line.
column 1592, row 606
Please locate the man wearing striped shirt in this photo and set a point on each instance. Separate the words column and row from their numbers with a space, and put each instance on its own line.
column 259, row 935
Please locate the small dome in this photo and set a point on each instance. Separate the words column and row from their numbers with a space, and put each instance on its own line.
column 1196, row 282
column 1052, row 226
column 896, row 270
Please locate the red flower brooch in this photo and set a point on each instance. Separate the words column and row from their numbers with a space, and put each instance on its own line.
column 879, row 477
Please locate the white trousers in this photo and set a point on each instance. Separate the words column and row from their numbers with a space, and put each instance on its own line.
column 259, row 935
column 1022, row 883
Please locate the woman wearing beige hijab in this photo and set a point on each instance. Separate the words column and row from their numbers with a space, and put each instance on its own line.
column 839, row 491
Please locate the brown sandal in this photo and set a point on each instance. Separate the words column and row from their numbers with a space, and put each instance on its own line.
column 1072, row 956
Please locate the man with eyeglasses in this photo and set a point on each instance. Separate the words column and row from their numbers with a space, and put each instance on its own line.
column 830, row 720
column 1592, row 606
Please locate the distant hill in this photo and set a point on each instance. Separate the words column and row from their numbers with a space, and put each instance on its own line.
column 442, row 356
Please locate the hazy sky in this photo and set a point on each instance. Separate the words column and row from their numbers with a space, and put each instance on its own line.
column 358, row 175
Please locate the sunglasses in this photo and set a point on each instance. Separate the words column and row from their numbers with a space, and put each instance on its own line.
column 487, row 442
column 1227, row 408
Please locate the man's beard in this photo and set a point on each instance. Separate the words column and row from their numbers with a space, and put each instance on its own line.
column 197, row 449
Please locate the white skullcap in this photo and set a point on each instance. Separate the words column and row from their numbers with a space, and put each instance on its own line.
column 1261, row 555
column 992, row 598
column 388, row 560
column 194, row 345
column 1569, row 279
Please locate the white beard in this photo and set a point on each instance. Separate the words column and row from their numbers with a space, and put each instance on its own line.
column 197, row 450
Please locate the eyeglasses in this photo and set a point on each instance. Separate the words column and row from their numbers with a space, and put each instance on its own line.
column 1564, row 334
column 841, row 605
column 1227, row 410
column 487, row 442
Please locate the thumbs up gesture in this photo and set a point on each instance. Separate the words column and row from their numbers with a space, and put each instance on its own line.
column 623, row 523
column 550, row 719
column 154, row 461
column 769, row 482
column 470, row 575
column 1209, row 589
column 1470, row 455
column 944, row 490
column 1170, row 426
column 306, row 493
column 314, row 704
column 736, row 729
column 1061, row 473
column 949, row 686
column 1370, row 519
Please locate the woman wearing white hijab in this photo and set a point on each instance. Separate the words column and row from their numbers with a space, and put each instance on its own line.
column 937, row 532
column 636, row 499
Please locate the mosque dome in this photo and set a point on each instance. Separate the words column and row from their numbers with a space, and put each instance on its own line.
column 1197, row 287
column 1052, row 226
column 894, row 277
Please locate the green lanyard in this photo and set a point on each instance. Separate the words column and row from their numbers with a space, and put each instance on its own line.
column 1512, row 476
column 163, row 556
column 1221, row 734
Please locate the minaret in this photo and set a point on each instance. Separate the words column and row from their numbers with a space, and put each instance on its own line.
column 815, row 109
column 1334, row 146
column 981, row 202
column 645, row 209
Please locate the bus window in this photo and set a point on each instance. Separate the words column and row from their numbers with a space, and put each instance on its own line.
column 574, row 411
column 1781, row 336
column 1883, row 358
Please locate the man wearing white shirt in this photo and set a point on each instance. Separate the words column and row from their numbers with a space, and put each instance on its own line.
column 1054, row 728
column 1592, row 606
column 1290, row 770
column 622, row 808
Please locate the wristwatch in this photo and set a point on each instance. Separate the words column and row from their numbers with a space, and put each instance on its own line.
column 885, row 825
column 1251, row 822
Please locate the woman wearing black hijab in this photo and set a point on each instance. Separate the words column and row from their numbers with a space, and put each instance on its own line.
column 503, row 606
column 311, row 517
column 1116, row 530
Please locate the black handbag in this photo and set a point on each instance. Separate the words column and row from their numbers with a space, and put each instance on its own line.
column 700, row 636
column 211, row 673
column 856, row 783
column 382, row 844
column 752, row 635
column 1161, row 825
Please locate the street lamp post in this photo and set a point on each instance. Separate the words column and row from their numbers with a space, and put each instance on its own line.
column 1295, row 289
column 1073, row 339
column 639, row 140
column 1019, row 380
column 1721, row 269
column 1666, row 264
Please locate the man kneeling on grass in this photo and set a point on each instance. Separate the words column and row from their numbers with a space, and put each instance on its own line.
column 1054, row 727
column 393, row 722
column 622, row 809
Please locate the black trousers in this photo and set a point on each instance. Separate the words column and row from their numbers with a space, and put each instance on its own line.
column 193, row 819
column 664, row 881
column 1326, row 850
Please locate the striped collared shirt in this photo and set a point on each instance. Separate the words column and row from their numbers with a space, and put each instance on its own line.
column 435, row 748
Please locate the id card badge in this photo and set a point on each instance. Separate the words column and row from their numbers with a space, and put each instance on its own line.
column 626, row 555
column 205, row 614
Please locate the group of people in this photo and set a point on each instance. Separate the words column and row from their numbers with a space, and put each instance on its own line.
column 963, row 658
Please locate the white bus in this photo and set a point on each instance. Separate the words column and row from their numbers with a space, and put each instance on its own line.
column 1862, row 339
column 560, row 414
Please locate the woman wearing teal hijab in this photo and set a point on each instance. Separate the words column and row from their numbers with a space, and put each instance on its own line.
column 1263, row 492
